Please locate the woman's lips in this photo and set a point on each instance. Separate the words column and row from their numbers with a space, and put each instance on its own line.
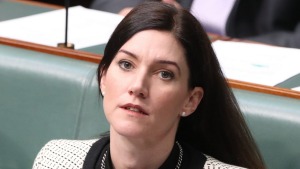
column 134, row 108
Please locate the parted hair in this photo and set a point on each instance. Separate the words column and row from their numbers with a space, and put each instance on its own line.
column 217, row 126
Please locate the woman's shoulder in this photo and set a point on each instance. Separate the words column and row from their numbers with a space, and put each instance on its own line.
column 62, row 154
column 212, row 163
column 198, row 159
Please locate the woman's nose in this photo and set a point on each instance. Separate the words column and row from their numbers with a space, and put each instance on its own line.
column 139, row 87
column 137, row 93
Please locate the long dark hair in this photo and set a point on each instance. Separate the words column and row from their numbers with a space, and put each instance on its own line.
column 217, row 127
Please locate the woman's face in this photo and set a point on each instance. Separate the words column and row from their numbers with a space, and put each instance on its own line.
column 146, row 87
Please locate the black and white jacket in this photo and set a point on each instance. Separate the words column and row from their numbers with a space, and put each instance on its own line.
column 72, row 154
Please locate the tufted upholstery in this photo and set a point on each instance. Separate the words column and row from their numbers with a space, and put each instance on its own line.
column 45, row 97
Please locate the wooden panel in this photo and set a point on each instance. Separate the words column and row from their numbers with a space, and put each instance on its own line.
column 264, row 89
column 75, row 54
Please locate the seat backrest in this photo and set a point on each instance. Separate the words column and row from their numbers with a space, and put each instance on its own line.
column 275, row 124
column 44, row 97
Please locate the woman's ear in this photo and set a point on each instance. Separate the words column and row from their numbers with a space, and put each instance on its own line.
column 102, row 83
column 193, row 101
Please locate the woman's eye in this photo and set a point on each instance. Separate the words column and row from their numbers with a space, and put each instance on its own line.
column 166, row 75
column 125, row 65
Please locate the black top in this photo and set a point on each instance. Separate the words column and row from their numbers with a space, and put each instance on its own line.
column 191, row 159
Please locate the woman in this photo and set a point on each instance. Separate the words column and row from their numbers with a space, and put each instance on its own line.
column 166, row 100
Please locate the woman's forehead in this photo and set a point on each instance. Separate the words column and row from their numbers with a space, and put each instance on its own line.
column 154, row 43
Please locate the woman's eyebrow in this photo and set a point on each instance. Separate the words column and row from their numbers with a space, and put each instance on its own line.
column 168, row 62
column 128, row 53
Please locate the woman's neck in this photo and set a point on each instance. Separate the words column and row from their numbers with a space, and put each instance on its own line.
column 128, row 153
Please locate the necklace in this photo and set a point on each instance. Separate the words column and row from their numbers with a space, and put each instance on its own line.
column 177, row 166
column 103, row 160
column 180, row 155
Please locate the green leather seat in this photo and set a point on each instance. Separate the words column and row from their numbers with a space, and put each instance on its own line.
column 45, row 97
column 275, row 124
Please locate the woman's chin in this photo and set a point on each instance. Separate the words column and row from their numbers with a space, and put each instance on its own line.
column 129, row 131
